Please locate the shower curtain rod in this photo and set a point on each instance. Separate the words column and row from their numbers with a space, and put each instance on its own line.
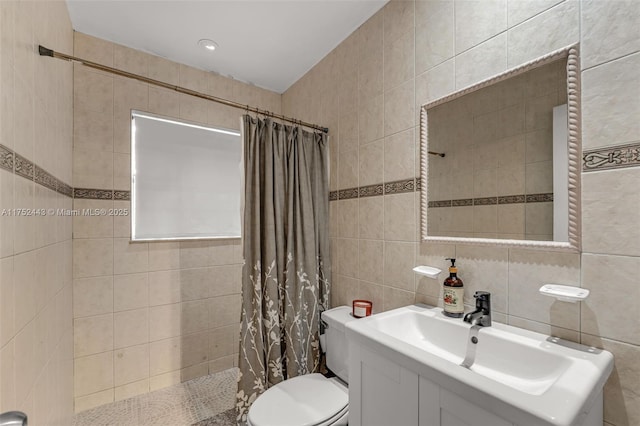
column 49, row 52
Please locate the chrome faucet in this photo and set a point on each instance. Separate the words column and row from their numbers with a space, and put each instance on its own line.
column 482, row 315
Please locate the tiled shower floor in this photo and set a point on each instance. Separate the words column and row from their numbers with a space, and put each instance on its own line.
column 180, row 405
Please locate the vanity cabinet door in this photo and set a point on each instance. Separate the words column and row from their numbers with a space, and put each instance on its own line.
column 381, row 393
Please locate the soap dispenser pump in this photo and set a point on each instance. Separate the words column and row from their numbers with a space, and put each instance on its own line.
column 453, row 294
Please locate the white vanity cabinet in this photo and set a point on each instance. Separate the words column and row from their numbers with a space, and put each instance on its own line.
column 382, row 393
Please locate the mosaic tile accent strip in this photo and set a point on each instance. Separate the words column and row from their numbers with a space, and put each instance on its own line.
column 6, row 158
column 539, row 198
column 371, row 190
column 512, row 199
column 122, row 195
column 465, row 202
column 16, row 163
column 183, row 404
column 333, row 195
column 488, row 201
column 45, row 178
column 485, row 201
column 399, row 186
column 23, row 167
column 93, row 194
column 64, row 189
column 443, row 203
column 613, row 157
column 346, row 194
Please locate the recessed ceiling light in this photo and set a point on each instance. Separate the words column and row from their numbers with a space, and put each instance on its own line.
column 208, row 45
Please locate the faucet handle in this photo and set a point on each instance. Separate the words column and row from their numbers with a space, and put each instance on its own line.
column 483, row 301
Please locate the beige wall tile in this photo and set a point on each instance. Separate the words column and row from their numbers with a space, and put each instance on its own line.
column 92, row 257
column 164, row 380
column 223, row 341
column 434, row 33
column 481, row 62
column 226, row 280
column 130, row 364
column 129, row 257
column 560, row 23
column 521, row 10
column 609, row 205
column 122, row 223
column 164, row 256
column 131, row 389
column 525, row 301
column 97, row 399
column 194, row 254
column 399, row 259
column 396, row 298
column 609, row 103
column 399, row 217
column 164, row 287
column 371, row 163
column 92, row 296
column 130, row 60
column 197, row 349
column 399, row 60
column 93, row 48
column 90, row 225
column 166, row 321
column 221, row 364
column 92, row 131
column 25, row 288
column 164, row 356
column 93, row 91
column 93, row 169
column 399, row 106
column 224, row 310
column 131, row 328
column 163, row 69
column 621, row 401
column 614, row 294
column 371, row 261
column 130, row 291
column 371, row 217
column 373, row 293
column 478, row 21
column 398, row 16
column 93, row 335
column 347, row 258
column 371, row 112
column 602, row 42
column 195, row 316
column 7, row 305
column 549, row 330
column 6, row 222
column 24, row 231
column 93, row 373
column 347, row 218
column 399, row 156
column 348, row 170
column 484, row 269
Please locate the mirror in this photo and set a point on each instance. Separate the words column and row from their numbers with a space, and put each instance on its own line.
column 500, row 159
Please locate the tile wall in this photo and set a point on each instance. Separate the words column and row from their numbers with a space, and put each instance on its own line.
column 496, row 181
column 36, row 124
column 368, row 91
column 146, row 315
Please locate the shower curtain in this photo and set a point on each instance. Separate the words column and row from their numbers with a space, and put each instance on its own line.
column 287, row 271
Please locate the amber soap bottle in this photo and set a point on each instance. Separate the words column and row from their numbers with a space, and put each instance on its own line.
column 453, row 294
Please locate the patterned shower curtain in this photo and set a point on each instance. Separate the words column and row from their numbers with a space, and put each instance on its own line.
column 287, row 271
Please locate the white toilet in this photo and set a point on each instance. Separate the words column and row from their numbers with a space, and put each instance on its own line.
column 312, row 399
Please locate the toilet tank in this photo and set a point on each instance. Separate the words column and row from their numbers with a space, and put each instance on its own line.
column 336, row 348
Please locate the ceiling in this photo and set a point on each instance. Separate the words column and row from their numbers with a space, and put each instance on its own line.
column 267, row 43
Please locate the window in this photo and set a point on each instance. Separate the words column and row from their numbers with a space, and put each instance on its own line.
column 185, row 180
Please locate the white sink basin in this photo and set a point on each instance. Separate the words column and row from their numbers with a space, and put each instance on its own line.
column 546, row 377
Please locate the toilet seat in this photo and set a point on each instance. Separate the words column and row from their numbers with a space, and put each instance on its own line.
column 309, row 400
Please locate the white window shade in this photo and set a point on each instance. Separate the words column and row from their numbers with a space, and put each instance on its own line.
column 185, row 180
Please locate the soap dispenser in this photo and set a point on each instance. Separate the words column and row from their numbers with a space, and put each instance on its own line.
column 453, row 294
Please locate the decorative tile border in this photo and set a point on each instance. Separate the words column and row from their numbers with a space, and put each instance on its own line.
column 462, row 203
column 21, row 166
column 371, row 190
column 6, row 158
column 333, row 195
column 399, row 186
column 613, row 157
column 346, row 194
column 485, row 201
column 489, row 201
column 121, row 195
column 539, row 198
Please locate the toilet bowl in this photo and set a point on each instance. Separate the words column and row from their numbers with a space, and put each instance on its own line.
column 311, row 399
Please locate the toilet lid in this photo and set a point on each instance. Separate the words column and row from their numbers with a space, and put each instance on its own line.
column 302, row 401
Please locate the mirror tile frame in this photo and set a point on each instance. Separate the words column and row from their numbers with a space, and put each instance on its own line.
column 571, row 54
